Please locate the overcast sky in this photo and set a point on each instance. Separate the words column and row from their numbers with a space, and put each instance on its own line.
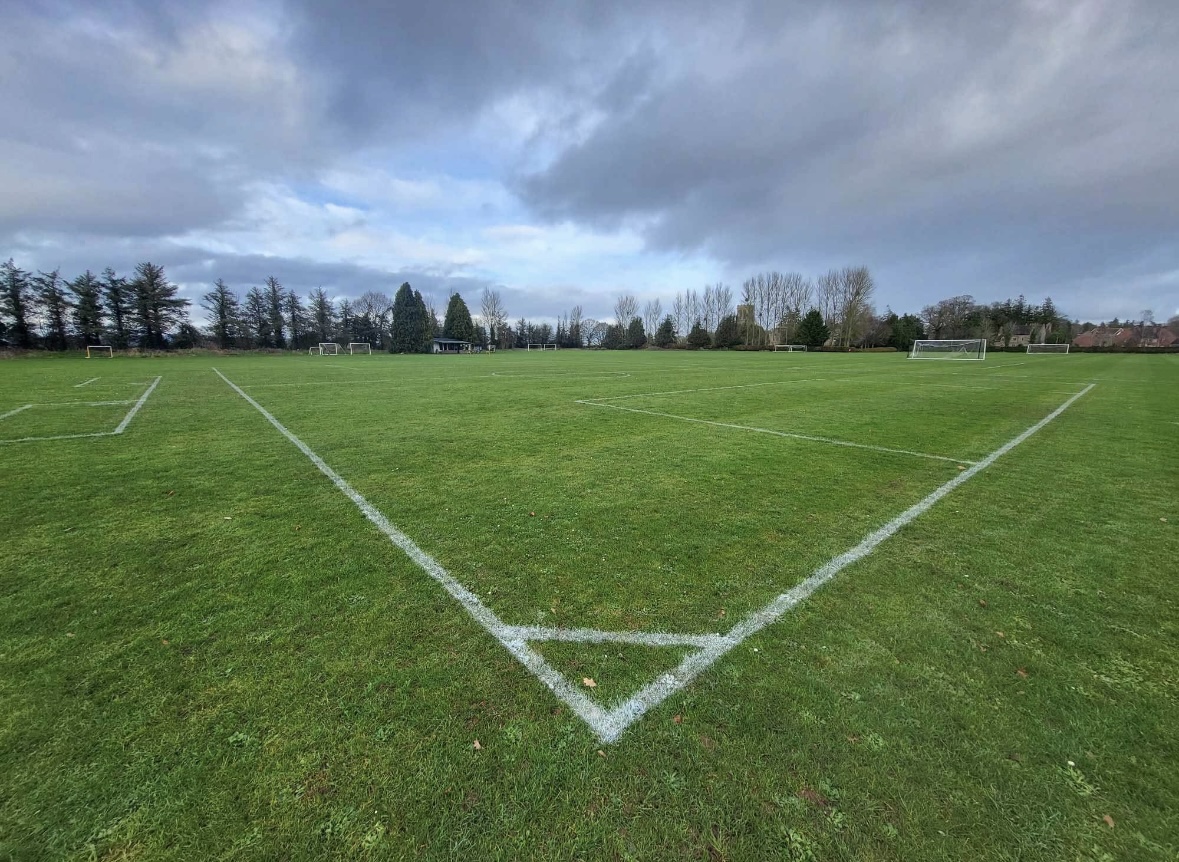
column 567, row 151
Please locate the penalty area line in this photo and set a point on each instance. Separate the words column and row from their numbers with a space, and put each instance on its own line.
column 14, row 412
column 831, row 441
column 631, row 710
column 86, row 382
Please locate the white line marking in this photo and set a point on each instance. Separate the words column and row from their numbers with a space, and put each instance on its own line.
column 84, row 403
column 707, row 389
column 609, row 724
column 509, row 636
column 122, row 426
column 631, row 710
column 86, row 382
column 829, row 440
column 652, row 639
column 131, row 413
column 14, row 412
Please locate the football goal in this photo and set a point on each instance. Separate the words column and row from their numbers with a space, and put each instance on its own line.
column 93, row 350
column 539, row 346
column 1047, row 348
column 355, row 347
column 329, row 348
column 949, row 348
column 790, row 348
column 315, row 351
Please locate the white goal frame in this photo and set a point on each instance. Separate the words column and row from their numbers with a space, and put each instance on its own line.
column 949, row 348
column 110, row 351
column 354, row 345
column 541, row 346
column 790, row 348
column 1048, row 349
column 329, row 348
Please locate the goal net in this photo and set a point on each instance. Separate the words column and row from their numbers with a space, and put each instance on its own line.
column 541, row 347
column 314, row 351
column 329, row 348
column 355, row 347
column 93, row 350
column 790, row 348
column 1047, row 348
column 949, row 348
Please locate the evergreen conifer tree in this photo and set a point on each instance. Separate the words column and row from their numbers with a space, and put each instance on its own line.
column 698, row 337
column 87, row 291
column 728, row 332
column 812, row 331
column 17, row 303
column 458, row 323
column 407, row 323
column 665, row 334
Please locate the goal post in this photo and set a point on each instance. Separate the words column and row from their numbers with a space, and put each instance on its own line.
column 1048, row 348
column 329, row 348
column 949, row 348
column 790, row 348
column 540, row 346
column 359, row 347
column 93, row 350
column 315, row 350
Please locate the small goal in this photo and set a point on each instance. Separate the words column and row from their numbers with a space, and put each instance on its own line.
column 790, row 348
column 329, row 348
column 93, row 350
column 356, row 347
column 949, row 348
column 540, row 346
column 315, row 351
column 1048, row 348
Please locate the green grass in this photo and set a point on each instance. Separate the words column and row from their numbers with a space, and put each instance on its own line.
column 208, row 653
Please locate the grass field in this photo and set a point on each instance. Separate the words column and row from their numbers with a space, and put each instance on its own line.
column 208, row 651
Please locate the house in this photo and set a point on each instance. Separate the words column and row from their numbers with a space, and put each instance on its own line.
column 1128, row 336
column 451, row 345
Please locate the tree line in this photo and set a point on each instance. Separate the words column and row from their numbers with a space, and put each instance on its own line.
column 834, row 310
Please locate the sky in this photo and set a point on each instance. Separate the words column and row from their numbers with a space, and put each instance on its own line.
column 566, row 152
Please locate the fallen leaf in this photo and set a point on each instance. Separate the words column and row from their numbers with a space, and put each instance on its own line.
column 1022, row 672
column 477, row 746
column 601, row 753
column 814, row 797
column 69, row 634
column 170, row 493
column 982, row 647
column 1018, row 758
column 588, row 682
column 960, row 467
column 982, row 603
column 678, row 719
column 296, row 528
column 1109, row 821
column 720, row 613
column 164, row 641
column 1164, row 520
column 228, row 518
column 707, row 742
column 853, row 739
column 532, row 514
column 1000, row 634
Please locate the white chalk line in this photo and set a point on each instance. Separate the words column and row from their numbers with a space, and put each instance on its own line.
column 119, row 429
column 14, row 412
column 610, row 724
column 810, row 438
column 86, row 382
column 511, row 637
column 631, row 710
column 123, row 403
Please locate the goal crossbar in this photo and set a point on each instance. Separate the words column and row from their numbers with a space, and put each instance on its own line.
column 949, row 348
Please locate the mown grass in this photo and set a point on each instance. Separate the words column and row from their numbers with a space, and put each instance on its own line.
column 206, row 652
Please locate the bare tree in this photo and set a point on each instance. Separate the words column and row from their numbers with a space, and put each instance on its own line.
column 576, row 336
column 853, row 303
column 594, row 331
column 652, row 316
column 827, row 294
column 495, row 316
column 679, row 315
column 625, row 309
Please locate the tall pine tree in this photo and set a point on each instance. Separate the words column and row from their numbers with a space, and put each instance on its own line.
column 157, row 308
column 17, row 303
column 812, row 331
column 256, row 313
column 87, row 318
column 120, row 306
column 224, row 313
column 407, row 324
column 274, row 304
column 55, row 306
column 458, row 323
column 427, row 324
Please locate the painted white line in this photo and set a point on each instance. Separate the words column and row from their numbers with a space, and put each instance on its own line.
column 86, row 382
column 512, row 640
column 131, row 413
column 828, row 440
column 122, row 426
column 631, row 710
column 652, row 639
column 14, row 412
column 707, row 389
column 609, row 724
column 84, row 403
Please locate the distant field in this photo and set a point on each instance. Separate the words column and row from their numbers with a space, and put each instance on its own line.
column 690, row 605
